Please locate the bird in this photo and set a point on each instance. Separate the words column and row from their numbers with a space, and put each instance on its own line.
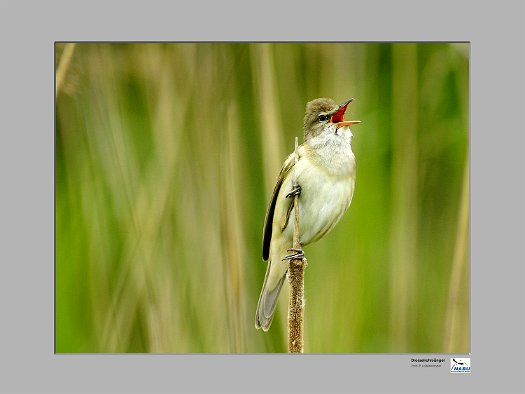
column 324, row 179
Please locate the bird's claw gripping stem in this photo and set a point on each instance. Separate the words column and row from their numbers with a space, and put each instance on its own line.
column 296, row 190
column 298, row 255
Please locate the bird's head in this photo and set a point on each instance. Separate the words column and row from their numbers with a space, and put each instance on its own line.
column 323, row 114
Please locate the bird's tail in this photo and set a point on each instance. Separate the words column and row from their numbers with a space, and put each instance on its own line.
column 268, row 299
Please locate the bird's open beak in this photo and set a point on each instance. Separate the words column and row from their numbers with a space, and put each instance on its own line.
column 339, row 117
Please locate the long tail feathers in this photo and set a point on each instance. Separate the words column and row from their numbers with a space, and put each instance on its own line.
column 268, row 301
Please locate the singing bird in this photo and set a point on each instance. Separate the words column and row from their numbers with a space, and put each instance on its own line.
column 325, row 175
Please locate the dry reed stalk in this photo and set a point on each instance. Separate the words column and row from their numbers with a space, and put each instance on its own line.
column 63, row 66
column 453, row 327
column 296, row 278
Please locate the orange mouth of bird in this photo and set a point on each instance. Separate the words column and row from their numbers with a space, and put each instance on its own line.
column 339, row 117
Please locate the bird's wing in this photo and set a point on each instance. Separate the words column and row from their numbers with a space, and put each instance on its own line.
column 268, row 221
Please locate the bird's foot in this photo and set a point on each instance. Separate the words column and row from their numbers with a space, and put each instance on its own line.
column 296, row 190
column 297, row 255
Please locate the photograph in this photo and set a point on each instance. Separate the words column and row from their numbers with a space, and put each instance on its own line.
column 262, row 197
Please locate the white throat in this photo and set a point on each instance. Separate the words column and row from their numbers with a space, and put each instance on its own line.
column 332, row 149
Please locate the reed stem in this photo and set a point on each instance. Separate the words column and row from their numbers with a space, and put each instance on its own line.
column 296, row 278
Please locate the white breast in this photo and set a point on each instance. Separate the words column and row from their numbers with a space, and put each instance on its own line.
column 326, row 173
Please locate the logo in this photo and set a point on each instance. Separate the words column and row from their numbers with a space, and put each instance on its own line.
column 460, row 365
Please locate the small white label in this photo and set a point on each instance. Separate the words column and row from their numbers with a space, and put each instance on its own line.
column 459, row 365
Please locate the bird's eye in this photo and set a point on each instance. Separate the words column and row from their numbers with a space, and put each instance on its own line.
column 322, row 118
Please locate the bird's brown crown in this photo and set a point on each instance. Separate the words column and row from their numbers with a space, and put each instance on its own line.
column 315, row 108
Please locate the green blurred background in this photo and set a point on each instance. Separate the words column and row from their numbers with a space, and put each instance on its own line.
column 166, row 156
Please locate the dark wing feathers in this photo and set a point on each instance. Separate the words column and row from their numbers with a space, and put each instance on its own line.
column 268, row 221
